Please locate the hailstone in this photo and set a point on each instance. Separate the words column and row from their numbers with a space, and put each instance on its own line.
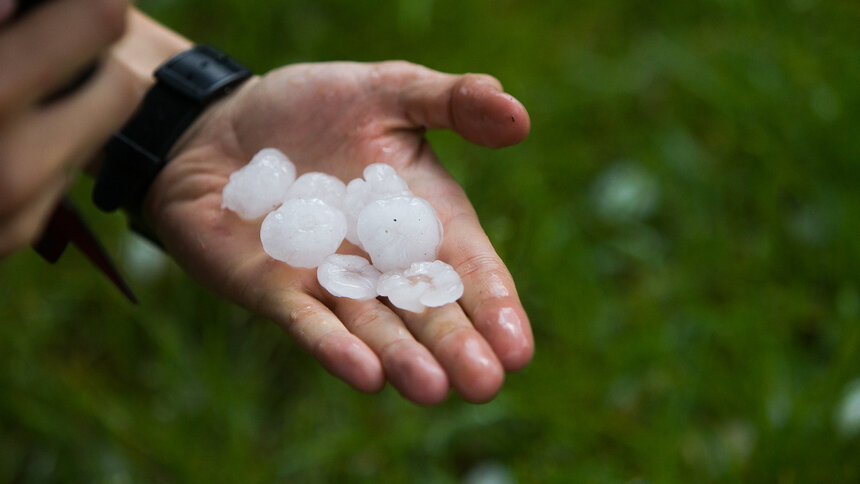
column 380, row 181
column 303, row 232
column 320, row 186
column 260, row 186
column 424, row 284
column 348, row 276
column 398, row 231
column 383, row 181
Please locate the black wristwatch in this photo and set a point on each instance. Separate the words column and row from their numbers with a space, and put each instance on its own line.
column 185, row 86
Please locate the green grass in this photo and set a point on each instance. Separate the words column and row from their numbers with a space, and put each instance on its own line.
column 683, row 224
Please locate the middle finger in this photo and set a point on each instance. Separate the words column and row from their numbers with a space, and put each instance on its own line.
column 409, row 366
column 472, row 367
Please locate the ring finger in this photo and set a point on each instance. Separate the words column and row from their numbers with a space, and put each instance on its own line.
column 470, row 363
column 408, row 365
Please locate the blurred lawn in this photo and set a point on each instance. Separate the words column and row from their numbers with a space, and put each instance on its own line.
column 683, row 225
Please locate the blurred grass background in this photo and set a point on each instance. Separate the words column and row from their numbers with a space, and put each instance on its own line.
column 683, row 225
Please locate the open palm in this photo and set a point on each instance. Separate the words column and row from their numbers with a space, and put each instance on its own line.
column 338, row 118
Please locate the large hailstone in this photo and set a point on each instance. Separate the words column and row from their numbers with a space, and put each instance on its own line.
column 424, row 284
column 261, row 185
column 399, row 231
column 303, row 232
column 348, row 276
column 320, row 186
column 380, row 181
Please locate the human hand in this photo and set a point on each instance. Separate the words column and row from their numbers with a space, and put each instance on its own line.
column 339, row 118
column 42, row 144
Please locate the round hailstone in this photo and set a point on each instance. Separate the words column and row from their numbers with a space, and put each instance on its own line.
column 430, row 284
column 261, row 185
column 381, row 181
column 399, row 231
column 348, row 276
column 320, row 186
column 303, row 232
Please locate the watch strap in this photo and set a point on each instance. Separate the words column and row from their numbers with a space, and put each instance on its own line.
column 185, row 86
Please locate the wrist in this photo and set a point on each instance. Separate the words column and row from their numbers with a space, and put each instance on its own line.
column 145, row 46
column 186, row 86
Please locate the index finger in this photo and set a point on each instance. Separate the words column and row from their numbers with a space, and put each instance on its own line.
column 50, row 45
column 490, row 297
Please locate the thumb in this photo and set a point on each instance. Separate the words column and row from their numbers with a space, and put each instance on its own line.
column 473, row 105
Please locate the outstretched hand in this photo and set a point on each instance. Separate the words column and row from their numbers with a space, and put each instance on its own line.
column 338, row 118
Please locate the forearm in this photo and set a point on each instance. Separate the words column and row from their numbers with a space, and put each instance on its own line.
column 145, row 45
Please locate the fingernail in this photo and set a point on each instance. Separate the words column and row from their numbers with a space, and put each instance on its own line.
column 7, row 8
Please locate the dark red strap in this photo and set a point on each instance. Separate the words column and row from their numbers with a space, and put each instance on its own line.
column 66, row 225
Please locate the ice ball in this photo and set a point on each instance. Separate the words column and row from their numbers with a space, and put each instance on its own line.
column 320, row 186
column 380, row 181
column 303, row 232
column 398, row 231
column 424, row 284
column 261, row 185
column 348, row 276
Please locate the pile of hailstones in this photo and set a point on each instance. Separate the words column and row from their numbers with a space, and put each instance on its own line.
column 309, row 217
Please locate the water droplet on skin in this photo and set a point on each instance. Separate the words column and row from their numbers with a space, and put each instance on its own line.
column 509, row 321
column 495, row 287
